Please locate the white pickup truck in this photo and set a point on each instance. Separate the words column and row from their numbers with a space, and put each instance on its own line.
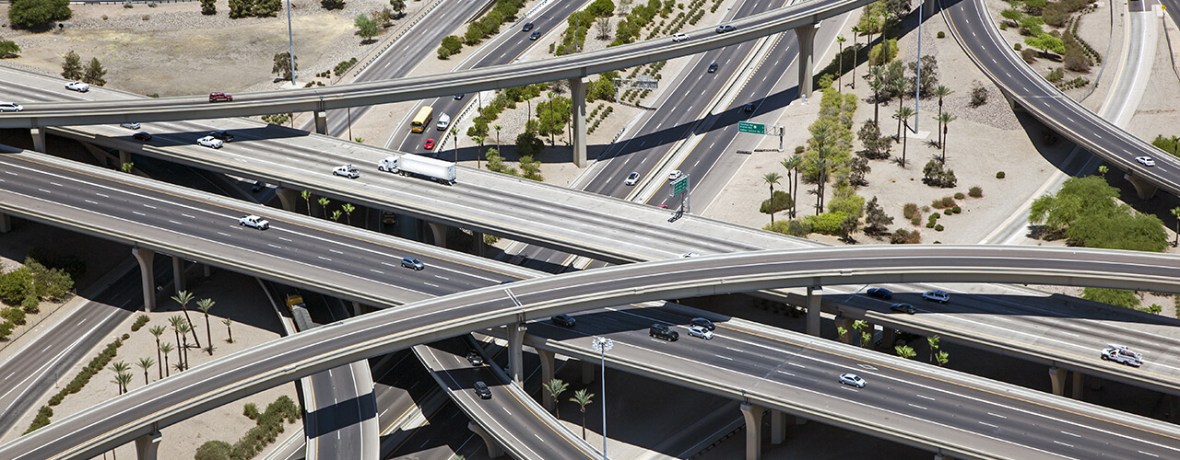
column 1122, row 354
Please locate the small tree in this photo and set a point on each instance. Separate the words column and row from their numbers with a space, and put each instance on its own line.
column 876, row 220
column 306, row 195
column 94, row 73
column 71, row 67
column 205, row 305
column 324, row 202
column 145, row 364
column 450, row 46
column 282, row 65
column 208, row 7
column 157, row 331
column 332, row 4
column 771, row 179
column 905, row 351
column 37, row 14
column 348, row 208
column 9, row 49
column 1176, row 213
column 555, row 388
column 183, row 298
column 228, row 329
column 166, row 348
column 120, row 368
column 366, row 27
column 399, row 7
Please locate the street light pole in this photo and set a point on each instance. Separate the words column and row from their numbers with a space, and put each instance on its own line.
column 290, row 44
column 603, row 345
column 918, row 71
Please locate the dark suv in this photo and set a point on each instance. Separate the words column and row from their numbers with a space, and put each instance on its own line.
column 663, row 332
column 564, row 320
column 220, row 97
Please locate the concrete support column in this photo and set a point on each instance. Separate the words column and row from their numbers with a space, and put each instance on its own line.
column 778, row 427
column 439, row 232
column 1079, row 380
column 516, row 352
column 356, row 309
column 1173, row 408
column 1057, row 378
column 145, row 258
column 124, row 158
column 578, row 97
column 1144, row 189
column 288, row 198
column 806, row 37
column 321, row 122
column 753, row 416
column 178, row 273
column 813, row 309
column 928, row 9
column 547, row 363
column 38, row 139
column 851, row 334
column 477, row 245
column 409, row 227
column 494, row 450
column 5, row 223
column 206, row 270
column 588, row 369
column 888, row 336
column 147, row 446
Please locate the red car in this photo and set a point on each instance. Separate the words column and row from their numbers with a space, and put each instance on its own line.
column 429, row 144
column 220, row 97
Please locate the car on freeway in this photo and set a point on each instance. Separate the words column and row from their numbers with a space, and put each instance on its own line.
column 348, row 171
column 459, row 97
column 849, row 378
column 257, row 186
column 564, row 320
column 677, row 38
column 879, row 293
column 702, row 322
column 903, row 308
column 254, row 221
column 411, row 262
column 527, row 27
column 725, row 28
column 474, row 358
column 429, row 144
column 698, row 331
column 535, row 35
column 481, row 389
column 221, row 134
column 1122, row 354
column 675, row 174
column 662, row 331
column 130, row 125
column 10, row 107
column 142, row 136
column 78, row 86
column 220, row 97
column 1146, row 161
column 689, row 255
column 937, row 295
column 713, row 67
column 211, row 142
column 664, row 206
column 632, row 179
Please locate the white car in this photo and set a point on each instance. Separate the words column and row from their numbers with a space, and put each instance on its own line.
column 936, row 295
column 689, row 254
column 1145, row 161
column 1122, row 354
column 130, row 125
column 78, row 86
column 10, row 107
column 632, row 179
column 254, row 221
column 700, row 331
column 675, row 174
column 849, row 378
column 679, row 38
column 211, row 142
column 348, row 171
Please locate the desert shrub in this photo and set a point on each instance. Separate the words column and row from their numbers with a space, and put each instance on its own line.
column 975, row 192
column 343, row 66
column 902, row 236
column 15, row 316
column 948, row 201
column 1055, row 75
column 1017, row 47
column 250, row 410
column 910, row 210
column 827, row 223
column 1029, row 55
column 941, row 34
column 978, row 95
column 959, row 195
column 1000, row 175
column 938, row 228
column 140, row 321
column 916, row 221
column 957, row 210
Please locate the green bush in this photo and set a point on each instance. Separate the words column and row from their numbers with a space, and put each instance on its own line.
column 956, row 210
column 140, row 321
column 9, row 49
column 343, row 66
column 827, row 223
column 941, row 34
column 1000, row 175
column 214, row 450
column 975, row 192
column 938, row 228
column 15, row 316
column 37, row 14
column 902, row 236
column 910, row 211
column 31, row 305
column 5, row 330
column 916, row 221
column 959, row 195
column 948, row 201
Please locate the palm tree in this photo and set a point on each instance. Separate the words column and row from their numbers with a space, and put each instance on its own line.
column 157, row 331
column 933, row 342
column 840, row 76
column 1103, row 169
column 497, row 128
column 792, row 164
column 479, row 150
column 120, row 368
column 205, row 305
column 166, row 348
column 177, row 322
column 943, row 119
column 336, row 215
column 227, row 322
column 904, row 112
column 348, row 208
column 876, row 78
column 874, row 24
column 855, row 53
column 145, row 364
column 820, row 162
column 185, row 328
column 1176, row 213
column 583, row 398
column 772, row 178
column 945, row 123
column 183, row 298
column 306, row 195
column 122, row 379
column 555, row 388
column 455, row 136
column 941, row 91
column 324, row 202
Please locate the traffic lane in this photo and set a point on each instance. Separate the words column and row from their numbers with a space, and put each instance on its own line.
column 341, row 405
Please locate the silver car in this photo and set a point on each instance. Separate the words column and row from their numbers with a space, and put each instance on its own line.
column 849, row 378
column 700, row 331
column 210, row 141
column 632, row 179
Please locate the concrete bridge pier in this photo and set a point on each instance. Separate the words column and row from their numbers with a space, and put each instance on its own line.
column 5, row 223
column 806, row 36
column 1079, row 387
column 1144, row 189
column 515, row 335
column 288, row 198
column 357, row 310
column 178, row 273
column 778, row 427
column 124, row 158
column 439, row 233
column 813, row 310
column 578, row 122
column 477, row 245
column 147, row 446
column 1057, row 378
column 753, row 415
column 38, row 139
column 145, row 258
column 321, row 122
column 547, row 372
column 928, row 8
column 494, row 449
column 409, row 228
column 588, row 369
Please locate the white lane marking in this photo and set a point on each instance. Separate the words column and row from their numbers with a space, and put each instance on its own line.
column 797, row 365
column 139, row 213
column 223, row 234
column 91, row 201
column 285, row 239
column 723, row 357
column 1148, row 453
column 274, row 245
column 442, row 278
column 1071, row 434
column 104, row 196
column 149, row 206
column 988, row 424
column 55, row 184
column 338, row 252
column 786, row 373
column 735, row 350
column 174, row 222
column 44, row 190
column 925, row 397
column 1062, row 443
column 324, row 258
column 431, row 285
column 188, row 216
column 916, row 406
column 10, row 173
column 388, row 264
column 374, row 270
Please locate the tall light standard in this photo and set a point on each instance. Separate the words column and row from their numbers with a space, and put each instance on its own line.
column 918, row 71
column 291, row 46
column 603, row 345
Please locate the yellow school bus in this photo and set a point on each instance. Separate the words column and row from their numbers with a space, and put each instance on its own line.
column 422, row 119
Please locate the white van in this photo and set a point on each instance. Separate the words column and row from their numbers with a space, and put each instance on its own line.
column 444, row 121
column 10, row 107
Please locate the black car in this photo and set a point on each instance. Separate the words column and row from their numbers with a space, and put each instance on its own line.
column 481, row 389
column 142, row 136
column 222, row 134
column 527, row 27
column 903, row 308
column 879, row 293
column 713, row 67
column 702, row 322
column 459, row 97
column 535, row 35
column 474, row 358
column 663, row 332
column 564, row 320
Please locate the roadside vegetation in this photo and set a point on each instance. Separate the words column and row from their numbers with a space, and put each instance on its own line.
column 22, row 289
column 1059, row 44
column 489, row 24
column 268, row 426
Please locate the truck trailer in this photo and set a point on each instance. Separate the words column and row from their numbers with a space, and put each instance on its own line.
column 417, row 165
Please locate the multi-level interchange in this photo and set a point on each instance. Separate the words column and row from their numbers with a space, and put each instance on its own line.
column 695, row 317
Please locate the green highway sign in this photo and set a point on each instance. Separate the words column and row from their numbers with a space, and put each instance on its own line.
column 680, row 186
column 752, row 128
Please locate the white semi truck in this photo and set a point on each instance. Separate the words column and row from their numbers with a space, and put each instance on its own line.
column 417, row 165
